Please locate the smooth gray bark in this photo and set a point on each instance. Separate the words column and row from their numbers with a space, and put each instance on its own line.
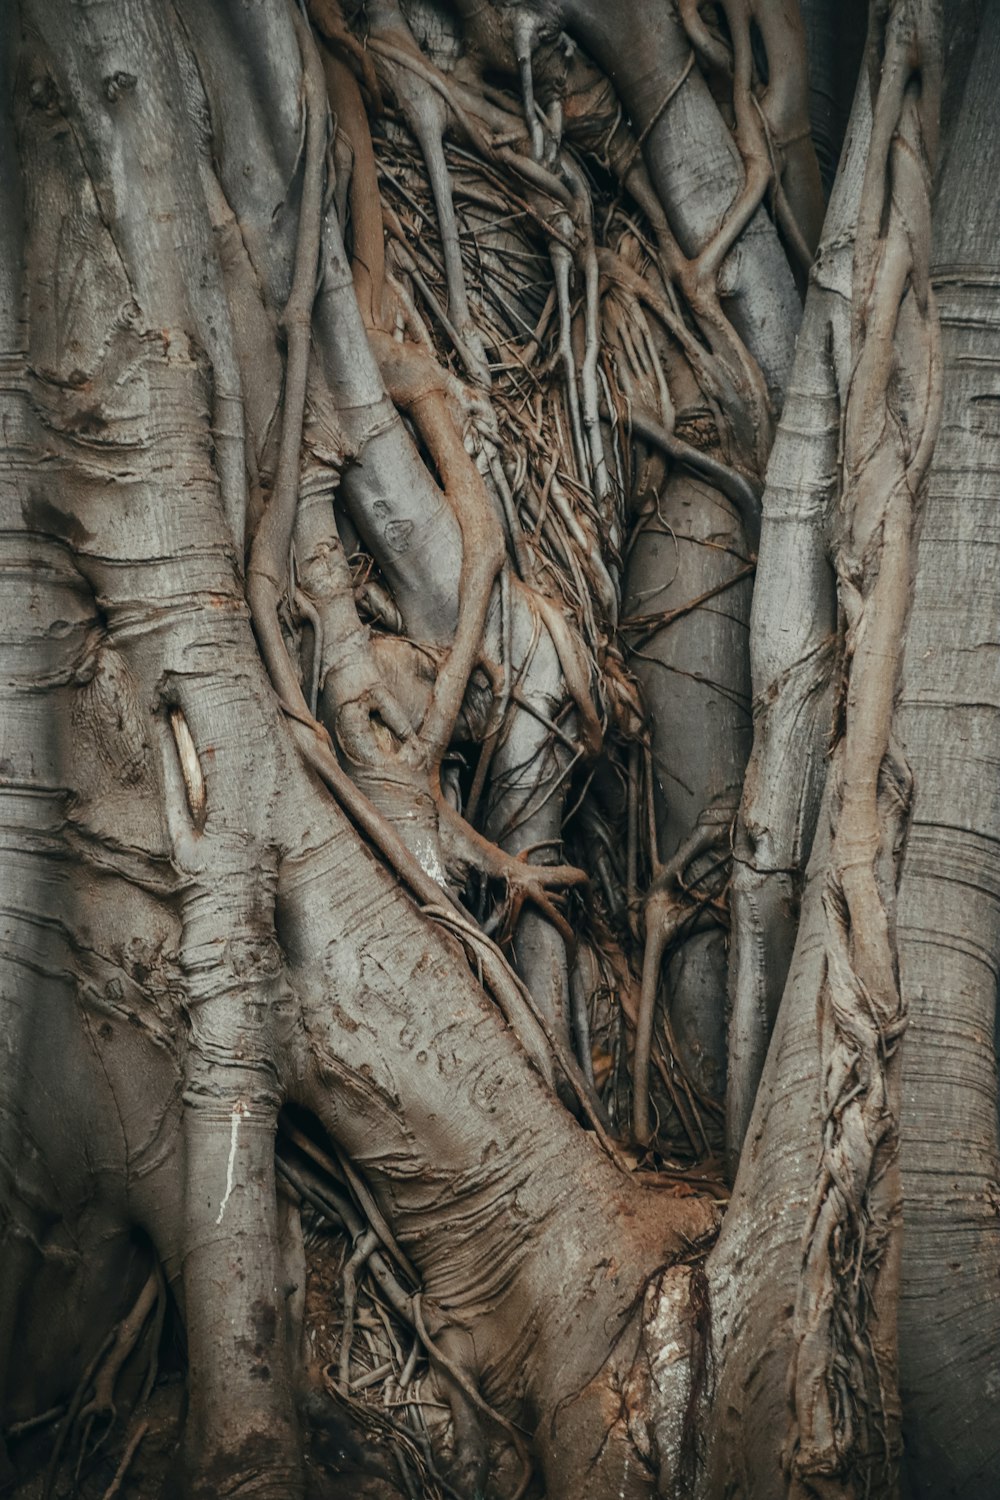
column 948, row 914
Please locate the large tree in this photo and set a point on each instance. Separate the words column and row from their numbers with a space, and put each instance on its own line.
column 499, row 633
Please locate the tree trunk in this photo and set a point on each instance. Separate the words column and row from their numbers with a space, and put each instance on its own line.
column 412, row 778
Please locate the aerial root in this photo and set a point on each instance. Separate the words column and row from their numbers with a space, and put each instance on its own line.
column 125, row 1462
column 674, row 906
column 772, row 122
column 355, row 1264
column 100, row 1378
column 329, row 21
column 270, row 551
column 330, row 1201
column 426, row 108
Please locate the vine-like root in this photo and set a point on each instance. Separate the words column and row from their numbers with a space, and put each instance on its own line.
column 100, row 1379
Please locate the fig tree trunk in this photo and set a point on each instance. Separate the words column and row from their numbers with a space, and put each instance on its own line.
column 500, row 909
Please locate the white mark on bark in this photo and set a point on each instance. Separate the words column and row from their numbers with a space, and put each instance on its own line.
column 668, row 1343
column 194, row 781
column 234, row 1131
column 427, row 854
column 621, row 1492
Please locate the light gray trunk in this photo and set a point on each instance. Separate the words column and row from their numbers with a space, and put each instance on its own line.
column 949, row 897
